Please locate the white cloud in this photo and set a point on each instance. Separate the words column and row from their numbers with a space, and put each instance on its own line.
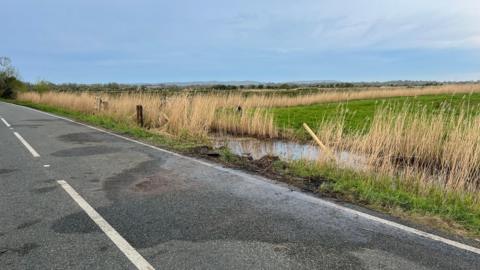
column 388, row 24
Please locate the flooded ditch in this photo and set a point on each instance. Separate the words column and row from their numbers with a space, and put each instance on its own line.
column 285, row 150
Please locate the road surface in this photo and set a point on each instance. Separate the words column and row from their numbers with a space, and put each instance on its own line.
column 74, row 197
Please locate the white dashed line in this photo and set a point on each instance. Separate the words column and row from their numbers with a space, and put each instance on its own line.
column 5, row 122
column 116, row 238
column 27, row 145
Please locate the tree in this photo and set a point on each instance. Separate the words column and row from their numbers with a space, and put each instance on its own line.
column 9, row 84
column 6, row 68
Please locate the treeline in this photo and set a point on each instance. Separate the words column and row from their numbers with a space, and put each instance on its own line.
column 43, row 86
column 283, row 86
column 10, row 84
column 116, row 87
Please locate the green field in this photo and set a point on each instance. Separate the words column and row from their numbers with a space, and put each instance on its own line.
column 359, row 113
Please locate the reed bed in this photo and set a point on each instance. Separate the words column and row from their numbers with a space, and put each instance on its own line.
column 182, row 114
column 233, row 113
column 440, row 149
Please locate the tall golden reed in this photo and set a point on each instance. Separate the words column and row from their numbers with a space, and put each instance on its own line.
column 195, row 115
column 441, row 148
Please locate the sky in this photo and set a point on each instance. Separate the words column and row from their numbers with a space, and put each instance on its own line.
column 143, row 41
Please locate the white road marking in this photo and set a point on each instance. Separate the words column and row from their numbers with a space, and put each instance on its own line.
column 116, row 238
column 5, row 122
column 27, row 145
column 267, row 182
column 46, row 166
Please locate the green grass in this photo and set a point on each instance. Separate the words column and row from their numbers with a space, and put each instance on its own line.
column 393, row 195
column 181, row 144
column 359, row 113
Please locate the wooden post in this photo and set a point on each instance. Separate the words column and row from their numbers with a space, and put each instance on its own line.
column 140, row 115
column 98, row 103
column 317, row 140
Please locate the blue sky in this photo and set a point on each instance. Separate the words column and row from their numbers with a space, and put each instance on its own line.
column 272, row 40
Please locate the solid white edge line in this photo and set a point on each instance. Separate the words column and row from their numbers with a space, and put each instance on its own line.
column 299, row 195
column 5, row 122
column 27, row 145
column 116, row 238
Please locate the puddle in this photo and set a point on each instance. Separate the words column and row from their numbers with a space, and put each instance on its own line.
column 285, row 150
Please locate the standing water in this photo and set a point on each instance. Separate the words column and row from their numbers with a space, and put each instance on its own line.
column 285, row 150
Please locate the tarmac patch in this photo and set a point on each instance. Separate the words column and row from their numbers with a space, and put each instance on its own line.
column 86, row 151
column 43, row 120
column 163, row 181
column 82, row 137
column 6, row 171
column 28, row 224
column 120, row 184
column 75, row 223
column 43, row 189
column 22, row 251
column 28, row 125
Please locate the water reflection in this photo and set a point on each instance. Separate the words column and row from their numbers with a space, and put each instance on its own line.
column 285, row 150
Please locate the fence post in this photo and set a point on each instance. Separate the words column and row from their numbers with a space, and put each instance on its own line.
column 98, row 103
column 140, row 115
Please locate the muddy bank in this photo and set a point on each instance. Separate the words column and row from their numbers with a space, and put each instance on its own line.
column 271, row 167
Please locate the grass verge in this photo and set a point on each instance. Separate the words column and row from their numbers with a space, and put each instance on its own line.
column 181, row 143
column 448, row 210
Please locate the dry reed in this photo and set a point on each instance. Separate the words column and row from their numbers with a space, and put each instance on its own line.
column 441, row 148
column 181, row 114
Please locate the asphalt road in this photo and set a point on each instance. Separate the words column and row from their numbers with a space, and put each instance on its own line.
column 124, row 205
